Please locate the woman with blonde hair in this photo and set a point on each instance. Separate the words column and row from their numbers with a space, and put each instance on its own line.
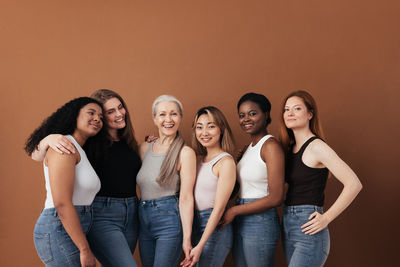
column 308, row 162
column 216, row 175
column 166, row 181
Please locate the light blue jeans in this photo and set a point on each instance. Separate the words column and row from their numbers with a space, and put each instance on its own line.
column 255, row 237
column 52, row 242
column 160, row 232
column 114, row 231
column 218, row 245
column 301, row 249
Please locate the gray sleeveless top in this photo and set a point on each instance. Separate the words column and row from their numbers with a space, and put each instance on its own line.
column 146, row 178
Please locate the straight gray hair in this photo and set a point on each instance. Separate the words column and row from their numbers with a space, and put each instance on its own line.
column 170, row 163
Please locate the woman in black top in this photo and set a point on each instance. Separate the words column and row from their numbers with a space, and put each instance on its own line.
column 113, row 234
column 309, row 160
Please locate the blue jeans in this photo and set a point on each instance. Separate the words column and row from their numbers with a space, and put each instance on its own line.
column 218, row 245
column 52, row 242
column 114, row 231
column 255, row 237
column 160, row 232
column 301, row 249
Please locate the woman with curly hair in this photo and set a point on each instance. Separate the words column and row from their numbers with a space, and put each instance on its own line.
column 71, row 185
column 114, row 231
column 308, row 162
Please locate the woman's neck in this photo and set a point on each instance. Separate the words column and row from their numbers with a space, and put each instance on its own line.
column 113, row 134
column 301, row 136
column 212, row 152
column 257, row 137
column 79, row 138
column 162, row 144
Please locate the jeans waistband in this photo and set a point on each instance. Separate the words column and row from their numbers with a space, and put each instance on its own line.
column 303, row 207
column 79, row 209
column 110, row 200
column 201, row 213
column 241, row 201
column 156, row 201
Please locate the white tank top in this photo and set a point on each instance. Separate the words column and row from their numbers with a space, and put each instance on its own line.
column 206, row 183
column 252, row 172
column 86, row 181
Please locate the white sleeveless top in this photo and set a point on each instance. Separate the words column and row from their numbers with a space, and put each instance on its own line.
column 206, row 183
column 86, row 181
column 252, row 172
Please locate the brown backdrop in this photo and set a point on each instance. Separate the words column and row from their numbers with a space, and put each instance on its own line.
column 345, row 52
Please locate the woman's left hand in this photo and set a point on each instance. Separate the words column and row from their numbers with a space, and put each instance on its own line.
column 227, row 218
column 317, row 223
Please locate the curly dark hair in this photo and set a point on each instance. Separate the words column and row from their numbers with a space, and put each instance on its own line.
column 64, row 122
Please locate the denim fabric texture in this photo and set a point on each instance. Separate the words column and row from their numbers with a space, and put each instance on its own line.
column 160, row 232
column 218, row 245
column 301, row 249
column 255, row 237
column 52, row 242
column 114, row 231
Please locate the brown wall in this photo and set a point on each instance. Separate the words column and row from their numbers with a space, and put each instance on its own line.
column 345, row 52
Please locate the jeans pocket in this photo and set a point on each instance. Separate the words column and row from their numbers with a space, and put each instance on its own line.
column 43, row 248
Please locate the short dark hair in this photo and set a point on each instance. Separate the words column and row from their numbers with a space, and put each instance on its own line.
column 261, row 100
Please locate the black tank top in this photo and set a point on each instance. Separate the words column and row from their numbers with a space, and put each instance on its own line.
column 306, row 184
column 118, row 170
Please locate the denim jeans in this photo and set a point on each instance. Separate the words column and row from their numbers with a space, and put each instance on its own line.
column 160, row 232
column 218, row 245
column 52, row 242
column 301, row 249
column 255, row 237
column 114, row 231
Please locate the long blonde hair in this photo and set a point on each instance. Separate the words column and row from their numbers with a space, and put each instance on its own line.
column 126, row 134
column 286, row 134
column 226, row 140
column 171, row 160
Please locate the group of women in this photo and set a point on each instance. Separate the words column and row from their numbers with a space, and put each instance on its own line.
column 184, row 190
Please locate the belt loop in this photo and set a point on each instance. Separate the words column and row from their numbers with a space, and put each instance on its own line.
column 108, row 201
column 55, row 214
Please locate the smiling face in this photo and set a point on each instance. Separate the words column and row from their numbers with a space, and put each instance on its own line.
column 114, row 112
column 167, row 118
column 296, row 115
column 251, row 118
column 89, row 121
column 207, row 132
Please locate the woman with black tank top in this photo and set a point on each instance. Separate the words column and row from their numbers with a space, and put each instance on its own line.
column 114, row 230
column 308, row 162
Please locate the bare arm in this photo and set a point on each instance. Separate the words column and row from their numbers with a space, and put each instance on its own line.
column 272, row 154
column 62, row 173
column 323, row 154
column 226, row 173
column 143, row 148
column 186, row 203
column 57, row 142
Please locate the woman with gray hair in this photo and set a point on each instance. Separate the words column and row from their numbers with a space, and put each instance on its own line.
column 166, row 180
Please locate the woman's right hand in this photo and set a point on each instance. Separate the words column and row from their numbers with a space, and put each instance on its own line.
column 60, row 143
column 87, row 258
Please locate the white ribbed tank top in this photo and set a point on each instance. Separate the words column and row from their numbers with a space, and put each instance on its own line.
column 252, row 172
column 86, row 181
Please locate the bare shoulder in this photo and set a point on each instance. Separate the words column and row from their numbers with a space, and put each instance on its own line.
column 271, row 147
column 54, row 156
column 143, row 147
column 318, row 146
column 226, row 161
column 187, row 152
